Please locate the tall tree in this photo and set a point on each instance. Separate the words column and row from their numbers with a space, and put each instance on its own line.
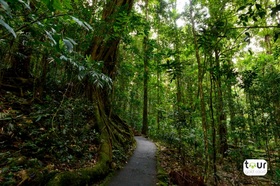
column 200, row 89
column 146, row 75
column 111, row 128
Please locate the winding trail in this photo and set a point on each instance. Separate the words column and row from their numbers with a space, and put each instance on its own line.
column 141, row 168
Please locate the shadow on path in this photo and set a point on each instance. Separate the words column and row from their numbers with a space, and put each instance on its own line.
column 141, row 168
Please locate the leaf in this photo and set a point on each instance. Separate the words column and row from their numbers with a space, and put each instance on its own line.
column 220, row 24
column 247, row 34
column 40, row 24
column 276, row 35
column 50, row 37
column 62, row 57
column 247, row 39
column 3, row 115
column 77, row 20
column 49, row 4
column 241, row 8
column 38, row 119
column 275, row 10
column 262, row 14
column 246, row 19
column 67, row 4
column 255, row 18
column 10, row 29
column 81, row 68
column 57, row 5
column 68, row 44
column 258, row 6
column 278, row 172
column 25, row 4
column 5, row 6
column 81, row 23
column 88, row 25
column 72, row 41
column 250, row 51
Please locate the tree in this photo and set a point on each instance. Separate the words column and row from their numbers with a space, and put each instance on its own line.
column 200, row 90
column 146, row 74
column 112, row 129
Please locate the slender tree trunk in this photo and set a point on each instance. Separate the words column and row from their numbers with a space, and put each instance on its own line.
column 179, row 93
column 277, row 118
column 21, row 63
column 145, row 104
column 180, row 116
column 221, row 113
column 43, row 79
column 201, row 93
column 231, row 107
column 213, row 127
column 158, row 77
column 158, row 96
column 145, row 98
column 252, row 120
column 131, row 100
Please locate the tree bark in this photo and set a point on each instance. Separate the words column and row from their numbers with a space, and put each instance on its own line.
column 105, row 50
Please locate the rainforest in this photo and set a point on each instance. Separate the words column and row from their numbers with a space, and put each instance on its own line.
column 79, row 79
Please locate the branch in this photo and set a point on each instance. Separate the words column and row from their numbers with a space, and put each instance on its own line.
column 252, row 27
column 32, row 22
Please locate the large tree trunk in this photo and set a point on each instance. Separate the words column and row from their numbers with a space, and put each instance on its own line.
column 113, row 131
column 105, row 50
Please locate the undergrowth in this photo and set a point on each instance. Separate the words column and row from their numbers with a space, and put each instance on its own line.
column 40, row 137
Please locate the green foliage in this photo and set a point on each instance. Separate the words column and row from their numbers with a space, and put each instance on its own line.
column 5, row 14
column 275, row 10
column 245, row 82
column 254, row 12
column 277, row 179
column 173, row 68
column 50, row 42
column 57, row 5
column 34, row 143
column 8, row 28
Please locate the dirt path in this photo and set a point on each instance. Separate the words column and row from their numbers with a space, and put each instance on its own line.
column 141, row 168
